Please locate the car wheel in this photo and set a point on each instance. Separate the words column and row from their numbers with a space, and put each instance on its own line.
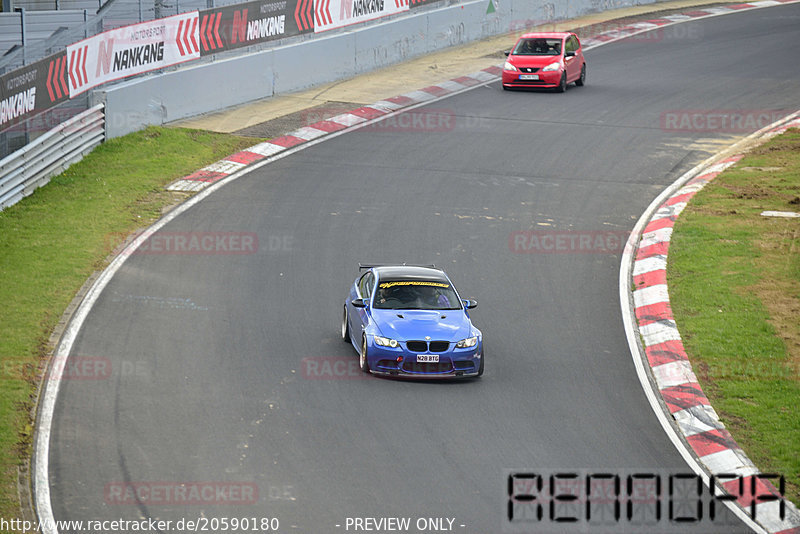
column 345, row 326
column 480, row 367
column 582, row 80
column 563, row 85
column 362, row 359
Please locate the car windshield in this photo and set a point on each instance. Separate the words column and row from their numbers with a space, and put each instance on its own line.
column 538, row 47
column 415, row 295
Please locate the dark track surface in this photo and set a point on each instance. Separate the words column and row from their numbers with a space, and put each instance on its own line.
column 220, row 392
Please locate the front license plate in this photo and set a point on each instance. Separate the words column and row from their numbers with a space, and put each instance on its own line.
column 427, row 358
column 528, row 76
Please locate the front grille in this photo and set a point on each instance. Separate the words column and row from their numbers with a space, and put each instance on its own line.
column 417, row 346
column 529, row 69
column 439, row 346
column 441, row 367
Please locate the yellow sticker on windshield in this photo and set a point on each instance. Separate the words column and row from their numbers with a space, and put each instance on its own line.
column 412, row 283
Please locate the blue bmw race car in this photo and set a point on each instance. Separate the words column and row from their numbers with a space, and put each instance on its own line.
column 407, row 320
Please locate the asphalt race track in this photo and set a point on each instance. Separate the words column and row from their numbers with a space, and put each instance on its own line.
column 228, row 369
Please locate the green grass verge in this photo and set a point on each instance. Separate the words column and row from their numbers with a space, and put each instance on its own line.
column 734, row 283
column 52, row 241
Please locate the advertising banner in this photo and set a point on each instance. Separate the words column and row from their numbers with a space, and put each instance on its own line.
column 32, row 89
column 330, row 14
column 230, row 27
column 132, row 50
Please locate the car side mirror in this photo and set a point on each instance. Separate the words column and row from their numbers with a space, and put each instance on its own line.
column 507, row 52
column 569, row 54
column 470, row 303
column 359, row 303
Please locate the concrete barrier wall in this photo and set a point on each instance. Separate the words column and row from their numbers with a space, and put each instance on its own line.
column 332, row 56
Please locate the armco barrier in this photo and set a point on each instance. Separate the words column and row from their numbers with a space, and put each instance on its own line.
column 33, row 165
column 325, row 57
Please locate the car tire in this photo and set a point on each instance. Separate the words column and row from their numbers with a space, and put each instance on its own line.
column 345, row 326
column 480, row 367
column 582, row 80
column 362, row 357
column 563, row 85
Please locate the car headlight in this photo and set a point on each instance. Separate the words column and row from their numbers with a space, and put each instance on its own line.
column 552, row 66
column 469, row 342
column 508, row 66
column 386, row 342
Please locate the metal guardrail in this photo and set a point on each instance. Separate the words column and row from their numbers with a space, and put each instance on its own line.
column 32, row 166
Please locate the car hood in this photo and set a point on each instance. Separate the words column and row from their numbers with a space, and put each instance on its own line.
column 403, row 325
column 533, row 61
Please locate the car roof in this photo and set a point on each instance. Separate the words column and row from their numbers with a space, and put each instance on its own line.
column 545, row 35
column 409, row 272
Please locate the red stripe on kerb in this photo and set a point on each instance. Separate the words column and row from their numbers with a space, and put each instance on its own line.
column 658, row 224
column 435, row 90
column 669, row 351
column 711, row 442
column 287, row 141
column 368, row 112
column 745, row 498
column 653, row 313
column 328, row 126
column 401, row 100
column 703, row 178
column 652, row 278
column 733, row 159
column 658, row 249
column 671, row 201
column 497, row 71
column 684, row 396
column 244, row 157
column 466, row 80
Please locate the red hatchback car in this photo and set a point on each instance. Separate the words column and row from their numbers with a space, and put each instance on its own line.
column 550, row 60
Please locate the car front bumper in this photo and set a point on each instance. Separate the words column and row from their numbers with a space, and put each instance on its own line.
column 547, row 79
column 399, row 361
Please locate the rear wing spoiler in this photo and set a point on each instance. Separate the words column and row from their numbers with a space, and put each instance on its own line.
column 362, row 266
